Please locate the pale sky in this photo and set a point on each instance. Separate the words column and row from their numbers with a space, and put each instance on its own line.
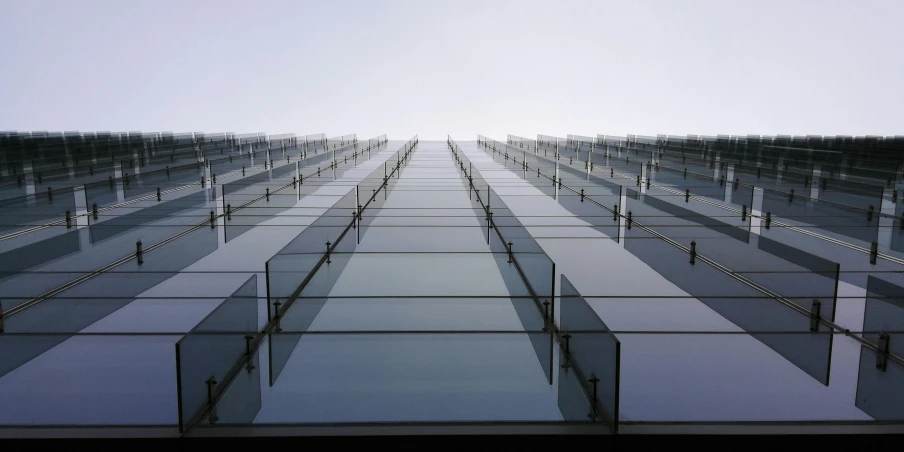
column 461, row 67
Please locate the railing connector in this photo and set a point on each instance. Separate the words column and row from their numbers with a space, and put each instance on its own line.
column 815, row 311
column 212, row 411
column 882, row 352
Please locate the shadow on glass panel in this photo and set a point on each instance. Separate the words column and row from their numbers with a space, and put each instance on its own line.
column 251, row 214
column 43, row 207
column 678, row 218
column 537, row 269
column 532, row 312
column 80, row 306
column 32, row 255
column 309, row 276
column 183, row 206
column 797, row 336
column 812, row 214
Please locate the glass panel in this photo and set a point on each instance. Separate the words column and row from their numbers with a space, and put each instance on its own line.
column 146, row 183
column 594, row 352
column 249, row 214
column 46, row 206
column 102, row 193
column 241, row 401
column 574, row 403
column 880, row 394
column 191, row 205
column 677, row 222
column 587, row 209
column 884, row 313
column 851, row 193
column 821, row 216
column 207, row 353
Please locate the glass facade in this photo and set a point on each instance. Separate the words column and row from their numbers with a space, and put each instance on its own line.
column 225, row 284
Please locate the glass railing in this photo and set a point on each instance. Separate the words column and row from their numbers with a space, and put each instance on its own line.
column 874, row 233
column 506, row 235
column 299, row 280
column 786, row 282
column 455, row 285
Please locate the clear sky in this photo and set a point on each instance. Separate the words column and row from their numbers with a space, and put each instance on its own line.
column 461, row 67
